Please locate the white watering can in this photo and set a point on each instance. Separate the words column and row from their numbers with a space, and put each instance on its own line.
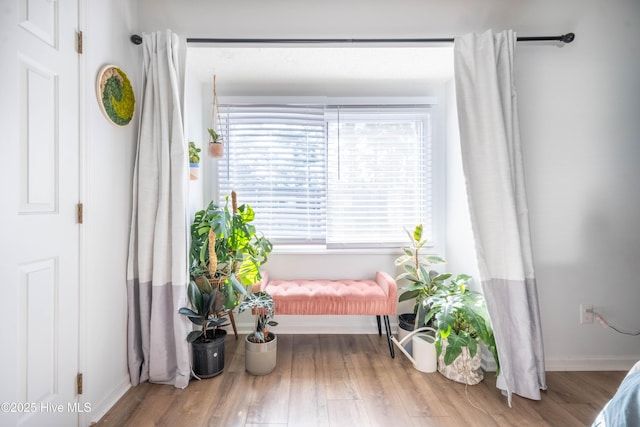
column 424, row 349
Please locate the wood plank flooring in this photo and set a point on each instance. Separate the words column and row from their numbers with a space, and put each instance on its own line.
column 350, row 380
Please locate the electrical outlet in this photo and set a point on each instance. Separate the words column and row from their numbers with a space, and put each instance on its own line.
column 586, row 313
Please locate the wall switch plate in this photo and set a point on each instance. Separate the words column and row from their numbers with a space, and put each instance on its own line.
column 586, row 313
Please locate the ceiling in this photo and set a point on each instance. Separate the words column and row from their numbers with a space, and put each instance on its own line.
column 324, row 70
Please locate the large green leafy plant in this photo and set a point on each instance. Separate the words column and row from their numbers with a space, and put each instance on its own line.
column 226, row 249
column 423, row 281
column 461, row 318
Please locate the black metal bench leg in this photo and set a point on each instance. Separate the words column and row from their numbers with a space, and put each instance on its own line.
column 387, row 327
column 379, row 327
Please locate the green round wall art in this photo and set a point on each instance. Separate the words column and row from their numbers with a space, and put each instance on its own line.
column 115, row 95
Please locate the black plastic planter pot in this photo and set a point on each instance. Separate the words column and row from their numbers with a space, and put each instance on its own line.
column 208, row 357
column 406, row 323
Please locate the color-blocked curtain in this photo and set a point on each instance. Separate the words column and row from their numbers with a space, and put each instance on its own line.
column 157, row 265
column 493, row 168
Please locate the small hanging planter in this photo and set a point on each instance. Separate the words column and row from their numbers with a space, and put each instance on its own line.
column 194, row 161
column 216, row 147
column 194, row 171
column 216, row 141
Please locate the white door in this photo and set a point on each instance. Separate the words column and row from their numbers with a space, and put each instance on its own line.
column 39, row 164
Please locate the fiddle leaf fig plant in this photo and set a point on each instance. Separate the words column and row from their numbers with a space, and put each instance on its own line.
column 461, row 318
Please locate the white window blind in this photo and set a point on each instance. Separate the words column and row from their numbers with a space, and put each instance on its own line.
column 347, row 176
column 275, row 160
column 379, row 173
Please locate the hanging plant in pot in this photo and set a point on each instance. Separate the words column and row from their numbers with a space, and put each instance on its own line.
column 194, row 161
column 207, row 342
column 216, row 144
column 461, row 318
column 216, row 147
column 260, row 346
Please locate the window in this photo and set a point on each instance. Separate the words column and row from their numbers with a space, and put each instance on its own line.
column 276, row 161
column 340, row 175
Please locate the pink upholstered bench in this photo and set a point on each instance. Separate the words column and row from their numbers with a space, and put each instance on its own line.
column 356, row 297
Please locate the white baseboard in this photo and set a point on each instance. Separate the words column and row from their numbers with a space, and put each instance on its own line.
column 98, row 410
column 595, row 363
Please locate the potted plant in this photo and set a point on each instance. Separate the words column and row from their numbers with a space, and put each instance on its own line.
column 225, row 256
column 194, row 161
column 261, row 345
column 226, row 249
column 207, row 342
column 461, row 319
column 423, row 282
column 216, row 148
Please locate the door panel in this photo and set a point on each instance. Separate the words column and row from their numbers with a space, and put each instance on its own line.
column 39, row 236
column 39, row 145
column 37, row 331
column 39, row 18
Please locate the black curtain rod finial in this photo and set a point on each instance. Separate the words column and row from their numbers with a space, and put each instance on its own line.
column 136, row 39
column 568, row 38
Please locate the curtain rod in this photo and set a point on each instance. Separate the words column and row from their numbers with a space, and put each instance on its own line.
column 564, row 38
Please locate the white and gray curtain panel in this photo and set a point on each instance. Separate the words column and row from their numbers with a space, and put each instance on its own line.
column 493, row 168
column 157, row 262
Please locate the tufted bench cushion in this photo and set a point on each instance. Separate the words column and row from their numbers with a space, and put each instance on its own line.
column 322, row 296
column 346, row 296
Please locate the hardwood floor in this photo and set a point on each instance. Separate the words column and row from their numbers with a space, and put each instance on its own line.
column 350, row 380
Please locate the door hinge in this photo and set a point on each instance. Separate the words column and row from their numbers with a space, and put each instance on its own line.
column 79, row 42
column 80, row 212
column 79, row 383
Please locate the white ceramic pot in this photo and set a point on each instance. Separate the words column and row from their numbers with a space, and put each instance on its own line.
column 260, row 358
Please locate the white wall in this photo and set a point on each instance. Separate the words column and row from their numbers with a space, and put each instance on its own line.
column 579, row 118
column 579, row 106
column 109, row 152
column 461, row 256
column 194, row 131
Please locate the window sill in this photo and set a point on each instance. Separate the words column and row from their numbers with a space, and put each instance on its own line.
column 323, row 250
